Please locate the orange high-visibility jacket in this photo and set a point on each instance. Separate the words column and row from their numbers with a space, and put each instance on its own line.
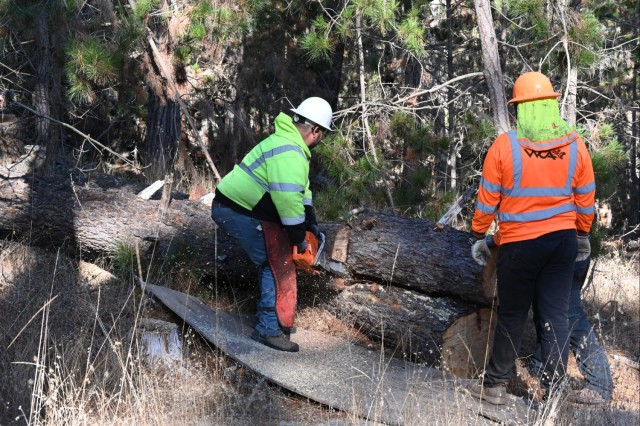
column 535, row 187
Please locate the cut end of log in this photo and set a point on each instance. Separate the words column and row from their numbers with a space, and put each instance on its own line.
column 148, row 192
column 467, row 343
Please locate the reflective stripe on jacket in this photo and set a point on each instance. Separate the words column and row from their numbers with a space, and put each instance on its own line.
column 535, row 187
column 278, row 168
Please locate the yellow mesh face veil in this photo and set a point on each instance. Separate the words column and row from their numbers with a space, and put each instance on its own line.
column 540, row 120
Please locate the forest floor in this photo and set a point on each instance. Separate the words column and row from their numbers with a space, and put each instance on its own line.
column 68, row 357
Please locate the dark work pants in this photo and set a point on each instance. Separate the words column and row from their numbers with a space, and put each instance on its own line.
column 533, row 273
column 591, row 358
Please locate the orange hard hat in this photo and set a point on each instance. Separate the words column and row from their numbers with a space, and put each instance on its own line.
column 531, row 86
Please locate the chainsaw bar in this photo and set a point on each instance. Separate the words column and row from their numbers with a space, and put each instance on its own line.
column 321, row 240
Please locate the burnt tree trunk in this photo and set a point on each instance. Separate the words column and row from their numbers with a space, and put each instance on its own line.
column 163, row 135
column 405, row 282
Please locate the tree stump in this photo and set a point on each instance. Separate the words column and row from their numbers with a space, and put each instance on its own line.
column 160, row 343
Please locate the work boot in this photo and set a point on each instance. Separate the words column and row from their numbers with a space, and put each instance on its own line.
column 287, row 332
column 496, row 395
column 586, row 396
column 276, row 342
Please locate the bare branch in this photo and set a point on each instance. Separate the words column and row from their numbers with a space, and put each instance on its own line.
column 94, row 142
column 436, row 88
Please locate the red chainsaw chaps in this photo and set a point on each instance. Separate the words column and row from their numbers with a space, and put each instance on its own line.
column 284, row 272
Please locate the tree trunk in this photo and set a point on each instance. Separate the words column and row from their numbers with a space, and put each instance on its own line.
column 95, row 216
column 163, row 135
column 492, row 69
column 414, row 254
column 41, row 95
column 451, row 110
column 363, row 89
column 570, row 110
column 634, row 182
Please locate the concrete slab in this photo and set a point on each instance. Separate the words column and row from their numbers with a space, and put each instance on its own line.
column 343, row 375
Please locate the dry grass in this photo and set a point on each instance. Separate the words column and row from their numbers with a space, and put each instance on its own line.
column 68, row 355
column 612, row 301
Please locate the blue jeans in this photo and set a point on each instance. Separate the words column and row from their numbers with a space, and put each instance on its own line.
column 591, row 359
column 534, row 273
column 247, row 231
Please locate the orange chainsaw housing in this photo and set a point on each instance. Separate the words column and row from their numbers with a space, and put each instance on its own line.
column 305, row 260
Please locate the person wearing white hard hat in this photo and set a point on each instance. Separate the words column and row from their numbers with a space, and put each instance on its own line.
column 265, row 204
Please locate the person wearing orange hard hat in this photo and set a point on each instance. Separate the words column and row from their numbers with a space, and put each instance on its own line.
column 538, row 180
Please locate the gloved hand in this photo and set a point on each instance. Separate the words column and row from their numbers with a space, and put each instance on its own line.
column 480, row 250
column 302, row 246
column 314, row 229
column 584, row 248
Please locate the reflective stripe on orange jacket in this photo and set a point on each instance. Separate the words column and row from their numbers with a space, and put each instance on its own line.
column 535, row 187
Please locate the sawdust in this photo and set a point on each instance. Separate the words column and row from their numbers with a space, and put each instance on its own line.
column 318, row 319
column 626, row 382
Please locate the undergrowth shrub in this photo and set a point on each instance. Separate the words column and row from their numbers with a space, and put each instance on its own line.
column 404, row 176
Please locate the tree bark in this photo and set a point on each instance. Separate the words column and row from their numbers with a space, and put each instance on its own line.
column 413, row 254
column 436, row 330
column 492, row 69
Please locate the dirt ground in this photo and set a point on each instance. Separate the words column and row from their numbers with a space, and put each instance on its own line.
column 625, row 371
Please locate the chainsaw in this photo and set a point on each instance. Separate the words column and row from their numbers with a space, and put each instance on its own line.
column 308, row 259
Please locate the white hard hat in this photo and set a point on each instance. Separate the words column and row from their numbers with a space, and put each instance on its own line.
column 317, row 110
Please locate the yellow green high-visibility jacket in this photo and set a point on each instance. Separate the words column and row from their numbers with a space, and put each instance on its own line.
column 272, row 181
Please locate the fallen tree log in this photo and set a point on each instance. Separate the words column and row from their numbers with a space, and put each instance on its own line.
column 97, row 215
column 437, row 292
column 413, row 253
column 441, row 331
